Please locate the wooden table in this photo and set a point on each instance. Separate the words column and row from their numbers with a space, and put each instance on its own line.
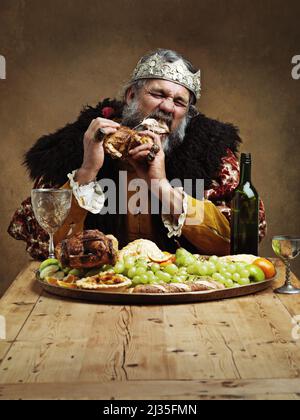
column 240, row 348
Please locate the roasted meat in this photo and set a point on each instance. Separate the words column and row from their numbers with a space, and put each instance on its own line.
column 118, row 144
column 88, row 249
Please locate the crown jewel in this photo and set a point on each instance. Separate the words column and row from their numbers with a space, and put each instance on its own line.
column 156, row 68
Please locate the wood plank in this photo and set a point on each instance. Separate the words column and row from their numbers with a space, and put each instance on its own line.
column 163, row 390
column 17, row 304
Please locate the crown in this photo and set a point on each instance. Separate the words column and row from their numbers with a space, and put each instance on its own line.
column 156, row 68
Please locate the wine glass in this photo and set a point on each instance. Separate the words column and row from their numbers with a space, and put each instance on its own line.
column 287, row 248
column 51, row 208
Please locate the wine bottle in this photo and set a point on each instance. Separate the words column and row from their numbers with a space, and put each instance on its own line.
column 245, row 212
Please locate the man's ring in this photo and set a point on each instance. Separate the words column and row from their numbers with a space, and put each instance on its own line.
column 155, row 148
column 150, row 157
column 100, row 133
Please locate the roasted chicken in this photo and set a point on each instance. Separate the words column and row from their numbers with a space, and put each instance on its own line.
column 87, row 249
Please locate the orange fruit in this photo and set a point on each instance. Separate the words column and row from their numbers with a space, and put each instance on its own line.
column 52, row 281
column 266, row 266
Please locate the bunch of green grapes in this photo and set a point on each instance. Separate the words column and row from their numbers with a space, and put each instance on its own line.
column 188, row 267
column 140, row 271
column 228, row 273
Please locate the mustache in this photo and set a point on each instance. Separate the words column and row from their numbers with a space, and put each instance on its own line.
column 165, row 117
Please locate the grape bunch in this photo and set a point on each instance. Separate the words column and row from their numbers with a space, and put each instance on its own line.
column 187, row 267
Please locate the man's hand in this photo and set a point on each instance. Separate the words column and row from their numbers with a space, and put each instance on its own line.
column 171, row 198
column 146, row 170
column 93, row 158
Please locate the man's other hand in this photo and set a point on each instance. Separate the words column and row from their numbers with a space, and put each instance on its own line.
column 148, row 170
column 93, row 158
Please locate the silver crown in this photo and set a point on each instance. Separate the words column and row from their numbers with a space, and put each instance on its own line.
column 156, row 68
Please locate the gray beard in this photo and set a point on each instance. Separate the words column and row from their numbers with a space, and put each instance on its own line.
column 131, row 117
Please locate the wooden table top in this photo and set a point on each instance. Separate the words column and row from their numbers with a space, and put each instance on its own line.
column 240, row 348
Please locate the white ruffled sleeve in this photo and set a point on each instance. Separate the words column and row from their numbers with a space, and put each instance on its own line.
column 90, row 197
column 175, row 229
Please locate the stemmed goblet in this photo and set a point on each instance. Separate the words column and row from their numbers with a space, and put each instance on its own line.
column 287, row 248
column 51, row 208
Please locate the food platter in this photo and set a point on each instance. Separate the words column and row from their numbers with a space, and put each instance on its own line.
column 153, row 298
column 90, row 267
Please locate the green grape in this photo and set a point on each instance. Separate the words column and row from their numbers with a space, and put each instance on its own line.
column 228, row 283
column 211, row 268
column 221, row 265
column 178, row 279
column 129, row 262
column 132, row 272
column 240, row 266
column 161, row 275
column 144, row 278
column 171, row 269
column 140, row 271
column 192, row 269
column 151, row 277
column 107, row 267
column 236, row 277
column 231, row 268
column 182, row 270
column 136, row 280
column 222, row 270
column 181, row 252
column 189, row 260
column 119, row 268
column 155, row 267
column 214, row 259
column 218, row 277
column 243, row 281
column 180, row 262
column 142, row 264
column 227, row 275
column 203, row 269
column 244, row 273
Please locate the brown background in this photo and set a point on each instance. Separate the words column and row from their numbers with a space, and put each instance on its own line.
column 63, row 54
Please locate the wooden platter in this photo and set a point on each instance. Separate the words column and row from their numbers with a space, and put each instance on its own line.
column 154, row 298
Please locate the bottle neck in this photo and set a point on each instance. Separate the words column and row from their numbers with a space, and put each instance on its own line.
column 245, row 175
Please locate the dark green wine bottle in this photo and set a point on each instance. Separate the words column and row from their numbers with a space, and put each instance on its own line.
column 244, row 212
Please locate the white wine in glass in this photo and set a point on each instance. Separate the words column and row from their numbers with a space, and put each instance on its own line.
column 51, row 208
column 287, row 248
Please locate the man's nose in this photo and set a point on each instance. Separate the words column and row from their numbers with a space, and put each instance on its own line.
column 167, row 105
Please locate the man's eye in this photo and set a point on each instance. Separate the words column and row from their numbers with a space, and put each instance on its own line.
column 180, row 104
column 156, row 95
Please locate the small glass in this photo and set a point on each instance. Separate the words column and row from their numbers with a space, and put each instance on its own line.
column 287, row 248
column 51, row 208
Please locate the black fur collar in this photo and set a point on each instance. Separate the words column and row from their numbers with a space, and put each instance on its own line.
column 53, row 156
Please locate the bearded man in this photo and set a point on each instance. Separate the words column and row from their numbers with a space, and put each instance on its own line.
column 164, row 86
